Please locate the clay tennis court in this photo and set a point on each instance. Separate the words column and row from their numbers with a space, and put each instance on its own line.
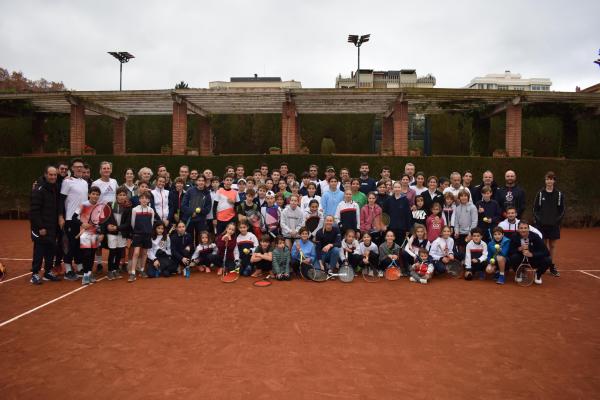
column 200, row 338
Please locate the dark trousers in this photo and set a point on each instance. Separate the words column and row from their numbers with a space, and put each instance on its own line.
column 42, row 252
column 221, row 225
column 194, row 229
column 541, row 264
column 74, row 255
column 88, row 256
column 207, row 259
column 477, row 267
column 373, row 257
column 166, row 267
column 58, row 251
column 114, row 258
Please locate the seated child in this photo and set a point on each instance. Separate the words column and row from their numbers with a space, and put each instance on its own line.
column 422, row 269
column 498, row 249
column 281, row 260
column 246, row 241
column 442, row 250
column 227, row 251
column 388, row 251
column 349, row 248
column 262, row 258
column 304, row 253
column 476, row 255
column 369, row 254
column 205, row 254
column 159, row 255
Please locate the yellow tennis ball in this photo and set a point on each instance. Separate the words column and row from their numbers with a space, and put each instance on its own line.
column 497, row 246
column 492, row 261
column 246, row 251
column 197, row 210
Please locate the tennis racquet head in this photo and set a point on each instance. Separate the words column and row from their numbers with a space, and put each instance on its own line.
column 2, row 271
column 312, row 223
column 392, row 272
column 100, row 214
column 370, row 273
column 317, row 274
column 231, row 276
column 454, row 269
column 346, row 273
column 385, row 219
column 264, row 282
column 525, row 274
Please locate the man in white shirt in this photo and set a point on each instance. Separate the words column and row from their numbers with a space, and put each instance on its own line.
column 73, row 192
column 456, row 186
column 108, row 191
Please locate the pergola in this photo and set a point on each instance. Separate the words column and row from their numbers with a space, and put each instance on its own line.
column 393, row 105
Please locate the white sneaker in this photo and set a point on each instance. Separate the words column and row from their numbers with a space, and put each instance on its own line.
column 380, row 274
column 538, row 281
column 412, row 279
column 370, row 272
column 423, row 281
column 518, row 278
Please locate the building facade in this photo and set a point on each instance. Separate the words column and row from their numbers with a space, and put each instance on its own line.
column 509, row 81
column 267, row 82
column 385, row 79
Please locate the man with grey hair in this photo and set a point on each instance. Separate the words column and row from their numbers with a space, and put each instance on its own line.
column 487, row 179
column 409, row 169
column 456, row 186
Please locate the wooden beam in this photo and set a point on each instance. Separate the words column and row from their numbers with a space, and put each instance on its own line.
column 95, row 107
column 196, row 109
column 500, row 108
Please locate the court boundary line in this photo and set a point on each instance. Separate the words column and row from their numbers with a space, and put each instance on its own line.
column 587, row 273
column 15, row 277
column 46, row 304
column 15, row 259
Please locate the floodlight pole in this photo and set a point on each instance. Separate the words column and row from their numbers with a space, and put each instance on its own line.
column 120, row 76
column 358, row 68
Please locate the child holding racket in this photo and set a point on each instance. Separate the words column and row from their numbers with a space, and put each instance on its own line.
column 159, row 255
column 435, row 222
column 313, row 219
column 370, row 216
column 498, row 249
column 89, row 238
column 422, row 269
column 442, row 250
column 369, row 254
column 246, row 242
column 262, row 258
column 205, row 254
column 271, row 215
column 349, row 251
column 418, row 240
column 476, row 255
column 304, row 253
column 142, row 217
column 116, row 230
column 227, row 251
column 389, row 252
column 181, row 247
column 281, row 259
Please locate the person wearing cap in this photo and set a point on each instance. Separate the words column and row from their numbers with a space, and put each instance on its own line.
column 324, row 184
column 241, row 188
column 332, row 197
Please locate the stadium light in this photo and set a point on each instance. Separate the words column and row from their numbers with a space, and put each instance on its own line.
column 357, row 41
column 598, row 60
column 123, row 57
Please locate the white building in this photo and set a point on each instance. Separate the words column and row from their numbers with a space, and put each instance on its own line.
column 385, row 79
column 255, row 82
column 509, row 81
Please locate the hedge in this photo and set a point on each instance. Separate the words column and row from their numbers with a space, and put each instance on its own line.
column 574, row 175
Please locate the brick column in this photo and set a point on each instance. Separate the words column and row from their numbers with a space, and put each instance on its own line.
column 77, row 137
column 290, row 133
column 400, row 124
column 179, row 141
column 387, row 136
column 513, row 130
column 119, row 136
column 205, row 137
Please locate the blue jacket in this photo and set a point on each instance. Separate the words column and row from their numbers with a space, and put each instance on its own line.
column 308, row 248
column 195, row 198
column 330, row 201
column 181, row 246
column 504, row 248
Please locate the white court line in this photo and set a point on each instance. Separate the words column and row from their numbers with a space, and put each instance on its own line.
column 46, row 304
column 16, row 277
column 16, row 259
column 587, row 273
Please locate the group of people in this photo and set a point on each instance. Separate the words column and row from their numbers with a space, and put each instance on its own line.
column 276, row 223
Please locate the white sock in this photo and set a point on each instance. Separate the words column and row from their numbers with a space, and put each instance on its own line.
column 79, row 267
column 68, row 268
column 502, row 273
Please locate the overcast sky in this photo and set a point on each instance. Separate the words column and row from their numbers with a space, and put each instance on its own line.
column 202, row 41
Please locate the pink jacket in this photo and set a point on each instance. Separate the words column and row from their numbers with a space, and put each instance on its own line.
column 368, row 216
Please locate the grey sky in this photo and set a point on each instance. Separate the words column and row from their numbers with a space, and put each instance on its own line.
column 201, row 41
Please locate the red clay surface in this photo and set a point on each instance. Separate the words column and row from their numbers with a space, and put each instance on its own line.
column 202, row 339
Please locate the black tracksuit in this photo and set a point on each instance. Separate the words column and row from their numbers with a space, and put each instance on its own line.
column 549, row 208
column 540, row 259
column 511, row 197
column 44, row 215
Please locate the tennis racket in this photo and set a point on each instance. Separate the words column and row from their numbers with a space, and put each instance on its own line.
column 392, row 272
column 370, row 273
column 229, row 276
column 454, row 268
column 264, row 282
column 384, row 220
column 96, row 215
column 312, row 223
column 255, row 219
column 65, row 243
column 2, row 272
column 345, row 274
column 525, row 274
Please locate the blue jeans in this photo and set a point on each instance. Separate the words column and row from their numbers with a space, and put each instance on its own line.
column 330, row 259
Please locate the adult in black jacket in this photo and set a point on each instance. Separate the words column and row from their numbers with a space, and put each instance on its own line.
column 44, row 225
column 398, row 208
column 487, row 179
column 530, row 245
column 432, row 195
column 176, row 194
column 511, row 195
column 548, row 211
column 196, row 205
